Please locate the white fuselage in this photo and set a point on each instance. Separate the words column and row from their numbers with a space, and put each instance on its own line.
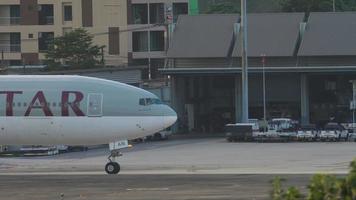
column 77, row 130
column 29, row 117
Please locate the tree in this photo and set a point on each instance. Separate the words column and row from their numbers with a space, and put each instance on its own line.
column 306, row 5
column 74, row 49
column 317, row 5
column 223, row 8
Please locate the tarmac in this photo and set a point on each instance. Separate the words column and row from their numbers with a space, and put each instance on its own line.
column 140, row 187
column 198, row 156
column 174, row 169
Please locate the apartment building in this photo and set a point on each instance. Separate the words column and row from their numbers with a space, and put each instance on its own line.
column 151, row 23
column 28, row 26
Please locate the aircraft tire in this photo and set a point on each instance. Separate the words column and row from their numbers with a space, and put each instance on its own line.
column 112, row 168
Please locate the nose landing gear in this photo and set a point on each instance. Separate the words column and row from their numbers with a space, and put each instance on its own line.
column 113, row 167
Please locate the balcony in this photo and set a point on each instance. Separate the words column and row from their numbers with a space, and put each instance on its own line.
column 10, row 48
column 9, row 15
column 10, row 42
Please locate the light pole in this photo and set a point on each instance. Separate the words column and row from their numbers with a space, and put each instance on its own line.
column 264, row 90
column 244, row 61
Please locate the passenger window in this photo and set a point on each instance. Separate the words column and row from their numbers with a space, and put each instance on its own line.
column 18, row 104
column 54, row 104
column 24, row 104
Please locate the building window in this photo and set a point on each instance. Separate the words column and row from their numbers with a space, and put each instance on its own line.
column 46, row 14
column 45, row 39
column 157, row 40
column 67, row 9
column 140, row 13
column 140, row 41
column 15, row 42
column 15, row 14
column 179, row 9
column 10, row 42
column 156, row 13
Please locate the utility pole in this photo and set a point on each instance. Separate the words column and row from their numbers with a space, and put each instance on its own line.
column 244, row 61
column 334, row 6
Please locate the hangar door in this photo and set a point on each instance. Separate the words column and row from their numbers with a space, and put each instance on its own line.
column 95, row 105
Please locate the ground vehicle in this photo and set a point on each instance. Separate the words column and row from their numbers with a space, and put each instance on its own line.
column 352, row 137
column 308, row 133
column 162, row 135
column 282, row 124
column 239, row 132
column 328, row 135
column 335, row 132
column 255, row 122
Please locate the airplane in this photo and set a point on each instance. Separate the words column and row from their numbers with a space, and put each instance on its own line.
column 78, row 110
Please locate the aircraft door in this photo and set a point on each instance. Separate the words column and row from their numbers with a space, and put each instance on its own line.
column 95, row 105
column 2, row 130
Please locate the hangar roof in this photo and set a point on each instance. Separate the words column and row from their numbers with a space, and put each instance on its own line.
column 329, row 34
column 202, row 36
column 272, row 34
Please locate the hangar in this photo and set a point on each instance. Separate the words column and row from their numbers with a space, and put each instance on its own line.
column 308, row 62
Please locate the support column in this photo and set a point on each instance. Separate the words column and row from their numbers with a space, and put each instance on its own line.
column 238, row 100
column 177, row 98
column 304, row 101
column 174, row 101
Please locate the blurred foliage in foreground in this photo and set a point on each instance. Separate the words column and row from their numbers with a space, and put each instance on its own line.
column 321, row 187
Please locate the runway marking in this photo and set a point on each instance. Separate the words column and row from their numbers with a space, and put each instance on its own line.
column 173, row 172
column 214, row 197
column 147, row 189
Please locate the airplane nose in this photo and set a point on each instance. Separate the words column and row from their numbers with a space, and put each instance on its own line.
column 170, row 117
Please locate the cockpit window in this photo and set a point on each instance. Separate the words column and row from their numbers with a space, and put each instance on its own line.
column 149, row 101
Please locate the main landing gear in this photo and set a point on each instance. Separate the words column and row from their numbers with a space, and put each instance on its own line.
column 113, row 167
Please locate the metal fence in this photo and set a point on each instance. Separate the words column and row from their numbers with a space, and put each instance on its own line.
column 10, row 48
column 9, row 21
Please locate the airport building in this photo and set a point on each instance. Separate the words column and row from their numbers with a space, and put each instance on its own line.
column 28, row 26
column 308, row 62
